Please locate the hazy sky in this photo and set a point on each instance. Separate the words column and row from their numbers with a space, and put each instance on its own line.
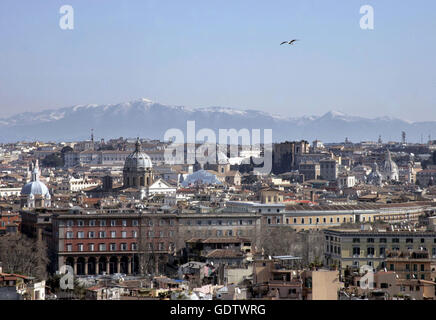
column 222, row 53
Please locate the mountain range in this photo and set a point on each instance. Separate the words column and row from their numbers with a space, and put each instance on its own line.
column 148, row 119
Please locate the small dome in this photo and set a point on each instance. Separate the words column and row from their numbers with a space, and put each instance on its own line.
column 137, row 159
column 35, row 188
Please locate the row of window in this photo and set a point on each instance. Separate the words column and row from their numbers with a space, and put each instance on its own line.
column 219, row 222
column 220, row 233
column 113, row 247
column 310, row 220
column 393, row 240
column 101, row 234
column 115, row 223
column 370, row 251
column 101, row 247
column 102, row 223
column 409, row 267
column 333, row 249
column 113, row 234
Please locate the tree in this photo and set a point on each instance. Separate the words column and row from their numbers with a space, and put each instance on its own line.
column 53, row 160
column 25, row 256
column 278, row 240
column 281, row 240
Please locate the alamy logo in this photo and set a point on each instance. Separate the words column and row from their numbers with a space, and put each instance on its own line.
column 209, row 150
column 367, row 20
column 67, row 280
column 367, row 280
column 66, row 22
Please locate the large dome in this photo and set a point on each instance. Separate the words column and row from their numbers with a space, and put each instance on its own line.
column 35, row 188
column 137, row 159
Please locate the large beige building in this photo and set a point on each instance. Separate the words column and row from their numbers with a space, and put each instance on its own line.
column 354, row 248
column 319, row 217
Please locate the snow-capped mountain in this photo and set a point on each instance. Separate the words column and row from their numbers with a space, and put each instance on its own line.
column 148, row 119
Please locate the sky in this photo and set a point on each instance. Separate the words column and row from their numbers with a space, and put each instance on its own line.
column 199, row 53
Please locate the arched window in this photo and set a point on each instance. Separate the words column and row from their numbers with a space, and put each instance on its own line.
column 142, row 181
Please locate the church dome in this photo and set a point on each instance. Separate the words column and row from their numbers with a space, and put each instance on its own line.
column 137, row 160
column 35, row 187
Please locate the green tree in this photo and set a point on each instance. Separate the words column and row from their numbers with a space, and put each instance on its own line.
column 53, row 160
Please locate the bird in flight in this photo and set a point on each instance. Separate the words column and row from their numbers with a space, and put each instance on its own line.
column 289, row 42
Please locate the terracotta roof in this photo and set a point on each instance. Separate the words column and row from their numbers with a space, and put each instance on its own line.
column 94, row 288
column 91, row 200
column 224, row 253
column 12, row 276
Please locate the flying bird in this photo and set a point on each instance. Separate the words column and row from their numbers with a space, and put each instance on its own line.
column 289, row 42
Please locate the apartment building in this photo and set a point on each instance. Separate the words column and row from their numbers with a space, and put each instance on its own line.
column 353, row 248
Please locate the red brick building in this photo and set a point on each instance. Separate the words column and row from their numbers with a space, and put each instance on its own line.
column 109, row 241
column 10, row 222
